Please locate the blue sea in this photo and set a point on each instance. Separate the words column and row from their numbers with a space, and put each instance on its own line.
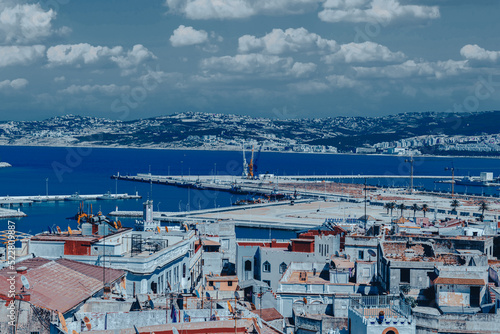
column 63, row 171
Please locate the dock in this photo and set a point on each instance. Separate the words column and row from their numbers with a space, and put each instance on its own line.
column 7, row 213
column 11, row 201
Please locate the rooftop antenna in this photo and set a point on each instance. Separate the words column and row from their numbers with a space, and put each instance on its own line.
column 411, row 161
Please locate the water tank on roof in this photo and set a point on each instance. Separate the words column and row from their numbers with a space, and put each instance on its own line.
column 86, row 229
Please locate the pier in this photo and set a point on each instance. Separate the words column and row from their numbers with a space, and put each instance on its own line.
column 10, row 201
column 266, row 186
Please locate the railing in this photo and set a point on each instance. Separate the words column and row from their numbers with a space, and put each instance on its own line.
column 393, row 306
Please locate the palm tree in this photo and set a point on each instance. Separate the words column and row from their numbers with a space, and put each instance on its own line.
column 425, row 208
column 391, row 206
column 387, row 206
column 483, row 206
column 455, row 204
column 402, row 207
column 415, row 208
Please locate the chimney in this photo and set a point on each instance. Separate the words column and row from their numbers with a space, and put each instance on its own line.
column 22, row 270
column 273, row 243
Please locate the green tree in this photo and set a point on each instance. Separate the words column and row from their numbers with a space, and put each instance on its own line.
column 483, row 206
column 425, row 208
column 415, row 208
column 402, row 207
column 454, row 204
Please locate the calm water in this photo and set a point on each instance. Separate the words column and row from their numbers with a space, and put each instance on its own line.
column 88, row 171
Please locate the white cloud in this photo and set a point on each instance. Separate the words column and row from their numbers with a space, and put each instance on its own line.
column 184, row 36
column 89, row 89
column 69, row 54
column 134, row 57
column 364, row 52
column 237, row 9
column 279, row 41
column 83, row 53
column 60, row 79
column 381, row 11
column 20, row 55
column 411, row 68
column 254, row 63
column 14, row 84
column 25, row 23
column 475, row 52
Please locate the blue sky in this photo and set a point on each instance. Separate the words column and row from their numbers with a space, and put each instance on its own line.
column 132, row 59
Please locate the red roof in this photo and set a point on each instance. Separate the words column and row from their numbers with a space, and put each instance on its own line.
column 459, row 281
column 59, row 285
column 268, row 314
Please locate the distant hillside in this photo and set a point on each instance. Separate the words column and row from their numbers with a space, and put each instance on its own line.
column 187, row 129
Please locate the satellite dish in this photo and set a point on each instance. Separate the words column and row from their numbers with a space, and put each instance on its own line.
column 174, row 330
column 372, row 252
column 25, row 282
column 207, row 295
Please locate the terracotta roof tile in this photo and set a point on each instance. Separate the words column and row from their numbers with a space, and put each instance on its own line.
column 459, row 281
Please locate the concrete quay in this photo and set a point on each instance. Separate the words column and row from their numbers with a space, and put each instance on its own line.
column 7, row 213
column 10, row 201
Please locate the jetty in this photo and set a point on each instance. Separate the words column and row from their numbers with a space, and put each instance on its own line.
column 8, row 213
column 11, row 201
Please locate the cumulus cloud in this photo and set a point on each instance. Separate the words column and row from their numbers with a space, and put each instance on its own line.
column 364, row 52
column 89, row 89
column 13, row 84
column 25, row 23
column 185, row 36
column 279, row 41
column 133, row 57
column 254, row 63
column 411, row 68
column 83, row 53
column 20, row 55
column 382, row 11
column 237, row 9
column 475, row 52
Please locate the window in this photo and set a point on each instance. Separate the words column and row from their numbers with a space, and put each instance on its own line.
column 361, row 255
column 229, row 283
column 184, row 270
column 210, row 283
column 267, row 282
column 248, row 265
column 405, row 275
column 283, row 267
column 266, row 267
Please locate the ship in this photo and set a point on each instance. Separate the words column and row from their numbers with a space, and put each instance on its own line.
column 74, row 197
column 472, row 181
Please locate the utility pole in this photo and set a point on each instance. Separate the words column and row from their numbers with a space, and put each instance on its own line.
column 366, row 218
column 452, row 169
column 411, row 161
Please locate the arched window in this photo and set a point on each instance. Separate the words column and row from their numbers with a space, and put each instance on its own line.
column 248, row 265
column 266, row 267
column 184, row 270
column 283, row 267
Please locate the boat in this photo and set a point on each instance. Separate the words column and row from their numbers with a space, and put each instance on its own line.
column 74, row 197
column 107, row 196
column 470, row 181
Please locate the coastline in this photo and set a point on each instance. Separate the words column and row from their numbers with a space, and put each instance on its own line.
column 231, row 149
